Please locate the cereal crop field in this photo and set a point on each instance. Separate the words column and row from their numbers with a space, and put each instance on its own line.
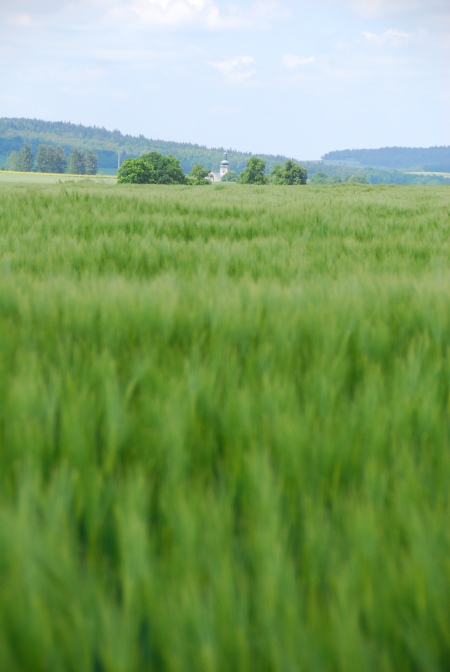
column 224, row 428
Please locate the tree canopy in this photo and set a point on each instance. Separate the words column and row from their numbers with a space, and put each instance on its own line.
column 167, row 168
column 76, row 162
column 50, row 159
column 292, row 173
column 231, row 176
column 319, row 178
column 151, row 168
column 21, row 161
column 136, row 171
column 254, row 172
column 198, row 174
column 90, row 162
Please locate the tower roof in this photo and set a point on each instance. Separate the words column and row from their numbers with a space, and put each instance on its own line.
column 225, row 162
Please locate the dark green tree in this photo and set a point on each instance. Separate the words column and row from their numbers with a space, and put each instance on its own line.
column 276, row 174
column 167, row 169
column 160, row 170
column 198, row 174
column 46, row 159
column 319, row 178
column 91, row 163
column 254, row 172
column 291, row 173
column 12, row 160
column 231, row 176
column 25, row 159
column 136, row 171
column 358, row 178
column 60, row 160
column 76, row 162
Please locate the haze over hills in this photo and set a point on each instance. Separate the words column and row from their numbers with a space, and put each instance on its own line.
column 401, row 158
column 14, row 133
column 390, row 165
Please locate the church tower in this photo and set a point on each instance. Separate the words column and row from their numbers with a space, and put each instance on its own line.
column 224, row 166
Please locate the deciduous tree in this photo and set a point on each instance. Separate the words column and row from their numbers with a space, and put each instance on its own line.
column 60, row 160
column 358, row 178
column 291, row 173
column 335, row 179
column 319, row 178
column 151, row 168
column 198, row 174
column 91, row 163
column 76, row 162
column 12, row 161
column 46, row 159
column 254, row 172
column 136, row 171
column 231, row 176
column 167, row 169
column 25, row 159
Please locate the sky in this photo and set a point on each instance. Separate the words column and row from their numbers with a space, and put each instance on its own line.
column 271, row 76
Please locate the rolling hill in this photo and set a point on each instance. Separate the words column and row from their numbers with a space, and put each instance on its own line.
column 14, row 133
column 433, row 159
column 389, row 165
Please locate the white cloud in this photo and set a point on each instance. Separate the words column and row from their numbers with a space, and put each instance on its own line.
column 154, row 12
column 203, row 14
column 22, row 20
column 235, row 69
column 390, row 38
column 270, row 9
column 29, row 13
column 293, row 61
column 136, row 56
column 381, row 8
column 30, row 7
column 148, row 14
column 172, row 12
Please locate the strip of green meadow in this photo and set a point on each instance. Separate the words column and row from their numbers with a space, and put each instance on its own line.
column 224, row 428
column 11, row 176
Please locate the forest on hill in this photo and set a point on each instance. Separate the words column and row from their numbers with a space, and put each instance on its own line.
column 379, row 166
column 15, row 133
column 403, row 158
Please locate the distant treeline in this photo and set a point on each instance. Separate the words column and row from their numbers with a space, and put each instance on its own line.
column 106, row 158
column 377, row 165
column 49, row 159
column 15, row 133
column 336, row 174
column 406, row 158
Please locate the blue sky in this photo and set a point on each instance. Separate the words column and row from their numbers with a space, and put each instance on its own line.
column 270, row 76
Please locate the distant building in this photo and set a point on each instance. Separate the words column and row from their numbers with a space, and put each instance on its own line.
column 224, row 168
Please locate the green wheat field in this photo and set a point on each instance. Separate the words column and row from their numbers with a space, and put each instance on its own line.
column 224, row 428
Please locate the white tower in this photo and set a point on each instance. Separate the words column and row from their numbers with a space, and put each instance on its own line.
column 224, row 166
